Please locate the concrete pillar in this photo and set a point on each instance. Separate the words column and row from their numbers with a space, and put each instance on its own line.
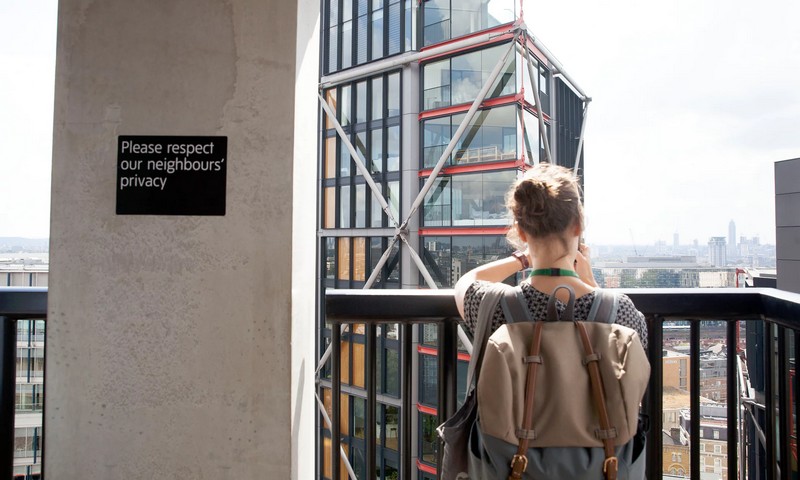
column 169, row 337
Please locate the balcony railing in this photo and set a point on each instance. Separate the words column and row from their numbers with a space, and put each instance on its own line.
column 761, row 419
column 760, row 422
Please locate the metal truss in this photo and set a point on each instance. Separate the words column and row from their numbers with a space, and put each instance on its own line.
column 520, row 33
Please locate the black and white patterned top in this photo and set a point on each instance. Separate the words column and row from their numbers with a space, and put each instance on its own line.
column 627, row 314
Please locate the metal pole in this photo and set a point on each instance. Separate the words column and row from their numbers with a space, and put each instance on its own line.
column 732, row 395
column 342, row 453
column 362, row 169
column 770, row 422
column 460, row 131
column 580, row 140
column 372, row 404
column 420, row 265
column 694, row 398
column 8, row 340
column 655, row 396
column 405, row 417
column 377, row 270
column 538, row 100
column 336, row 391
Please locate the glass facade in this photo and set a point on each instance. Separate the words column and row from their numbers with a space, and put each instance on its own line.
column 369, row 113
column 458, row 79
column 359, row 31
column 473, row 199
column 491, row 137
column 448, row 257
column 446, row 19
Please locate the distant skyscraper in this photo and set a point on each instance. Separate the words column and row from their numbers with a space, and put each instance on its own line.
column 675, row 239
column 717, row 251
column 732, row 236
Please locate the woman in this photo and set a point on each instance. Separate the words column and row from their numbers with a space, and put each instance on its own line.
column 546, row 208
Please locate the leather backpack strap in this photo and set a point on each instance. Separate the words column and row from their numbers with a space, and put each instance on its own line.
column 608, row 433
column 519, row 462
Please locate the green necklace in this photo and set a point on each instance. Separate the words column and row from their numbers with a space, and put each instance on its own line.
column 554, row 272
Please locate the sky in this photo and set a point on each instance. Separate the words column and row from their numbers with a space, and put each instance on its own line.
column 693, row 102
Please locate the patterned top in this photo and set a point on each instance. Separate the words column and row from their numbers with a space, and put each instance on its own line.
column 627, row 314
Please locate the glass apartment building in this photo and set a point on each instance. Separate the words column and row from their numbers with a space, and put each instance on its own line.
column 398, row 79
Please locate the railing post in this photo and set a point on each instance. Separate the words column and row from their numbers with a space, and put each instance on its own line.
column 694, row 398
column 732, row 372
column 405, row 418
column 784, row 406
column 655, row 396
column 336, row 390
column 769, row 402
column 372, row 404
column 8, row 340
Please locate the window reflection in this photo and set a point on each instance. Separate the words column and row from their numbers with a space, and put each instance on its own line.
column 459, row 79
column 476, row 199
column 449, row 257
column 443, row 19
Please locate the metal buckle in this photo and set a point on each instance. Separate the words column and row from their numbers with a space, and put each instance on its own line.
column 522, row 459
column 609, row 460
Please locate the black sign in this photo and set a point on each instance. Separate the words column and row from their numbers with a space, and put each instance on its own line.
column 160, row 175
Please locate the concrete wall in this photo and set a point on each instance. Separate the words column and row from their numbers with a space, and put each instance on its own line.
column 168, row 337
column 787, row 224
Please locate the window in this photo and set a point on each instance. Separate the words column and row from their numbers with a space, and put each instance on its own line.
column 350, row 26
column 491, row 137
column 459, row 79
column 475, row 199
column 428, row 380
column 716, row 435
column 446, row 19
column 448, row 257
column 428, row 439
column 717, row 449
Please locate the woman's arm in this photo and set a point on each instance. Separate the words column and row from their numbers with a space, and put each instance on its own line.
column 496, row 271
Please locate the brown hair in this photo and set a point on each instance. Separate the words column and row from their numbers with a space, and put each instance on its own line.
column 545, row 201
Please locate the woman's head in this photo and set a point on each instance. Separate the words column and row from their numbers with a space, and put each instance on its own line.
column 545, row 202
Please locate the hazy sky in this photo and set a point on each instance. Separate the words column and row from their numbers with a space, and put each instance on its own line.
column 693, row 102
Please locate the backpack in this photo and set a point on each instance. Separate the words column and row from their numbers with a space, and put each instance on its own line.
column 549, row 400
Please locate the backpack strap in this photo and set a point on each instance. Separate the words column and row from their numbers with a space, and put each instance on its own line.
column 607, row 432
column 483, row 329
column 604, row 306
column 519, row 462
column 569, row 312
column 515, row 306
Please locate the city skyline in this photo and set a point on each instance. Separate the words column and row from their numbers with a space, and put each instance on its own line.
column 682, row 134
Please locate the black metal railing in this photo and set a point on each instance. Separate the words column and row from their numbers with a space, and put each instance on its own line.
column 16, row 303
column 760, row 427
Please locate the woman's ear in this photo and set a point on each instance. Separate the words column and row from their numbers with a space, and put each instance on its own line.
column 578, row 231
column 521, row 234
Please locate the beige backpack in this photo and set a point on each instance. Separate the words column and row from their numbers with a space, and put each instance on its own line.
column 562, row 383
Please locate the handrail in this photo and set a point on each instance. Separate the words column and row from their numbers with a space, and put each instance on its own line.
column 383, row 305
column 23, row 302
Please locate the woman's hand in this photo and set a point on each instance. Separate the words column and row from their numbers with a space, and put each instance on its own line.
column 583, row 266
